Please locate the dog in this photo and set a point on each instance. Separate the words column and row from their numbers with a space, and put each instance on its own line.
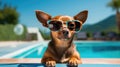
column 61, row 48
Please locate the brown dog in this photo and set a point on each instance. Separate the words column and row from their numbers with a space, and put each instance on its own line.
column 61, row 48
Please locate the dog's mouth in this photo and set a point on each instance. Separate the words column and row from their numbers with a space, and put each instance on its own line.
column 63, row 38
column 64, row 35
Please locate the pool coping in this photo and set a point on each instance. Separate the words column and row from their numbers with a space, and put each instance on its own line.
column 84, row 60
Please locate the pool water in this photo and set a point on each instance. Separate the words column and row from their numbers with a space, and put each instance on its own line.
column 99, row 49
column 87, row 49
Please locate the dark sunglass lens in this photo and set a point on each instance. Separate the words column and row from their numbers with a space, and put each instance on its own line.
column 55, row 25
column 71, row 25
column 77, row 25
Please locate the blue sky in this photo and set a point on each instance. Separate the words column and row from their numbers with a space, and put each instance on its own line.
column 98, row 9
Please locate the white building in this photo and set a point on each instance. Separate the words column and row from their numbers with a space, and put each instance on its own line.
column 35, row 30
column 81, row 35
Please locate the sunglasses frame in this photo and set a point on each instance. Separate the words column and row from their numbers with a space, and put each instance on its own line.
column 48, row 22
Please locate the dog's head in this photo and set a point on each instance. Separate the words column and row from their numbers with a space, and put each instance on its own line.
column 62, row 27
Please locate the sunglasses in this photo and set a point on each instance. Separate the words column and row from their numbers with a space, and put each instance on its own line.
column 74, row 25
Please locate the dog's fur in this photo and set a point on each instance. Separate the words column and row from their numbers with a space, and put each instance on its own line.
column 61, row 50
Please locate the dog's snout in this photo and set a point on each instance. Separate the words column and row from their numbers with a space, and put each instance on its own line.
column 65, row 32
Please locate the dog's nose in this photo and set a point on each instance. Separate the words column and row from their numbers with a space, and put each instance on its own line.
column 65, row 32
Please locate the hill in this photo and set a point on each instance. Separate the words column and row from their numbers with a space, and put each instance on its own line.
column 108, row 24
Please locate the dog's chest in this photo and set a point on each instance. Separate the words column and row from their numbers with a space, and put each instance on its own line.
column 64, row 53
column 61, row 49
column 60, row 53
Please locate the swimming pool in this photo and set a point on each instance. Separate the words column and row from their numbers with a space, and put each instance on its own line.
column 87, row 49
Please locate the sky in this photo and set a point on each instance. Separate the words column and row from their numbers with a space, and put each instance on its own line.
column 98, row 9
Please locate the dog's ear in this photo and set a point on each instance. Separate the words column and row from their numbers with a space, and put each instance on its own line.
column 43, row 17
column 82, row 16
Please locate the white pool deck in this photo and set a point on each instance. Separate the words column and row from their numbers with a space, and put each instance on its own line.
column 11, row 48
column 7, row 47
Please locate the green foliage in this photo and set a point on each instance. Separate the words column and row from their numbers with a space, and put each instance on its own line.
column 8, row 15
column 103, row 33
column 7, row 33
column 8, row 18
column 45, row 35
column 115, row 4
column 89, row 34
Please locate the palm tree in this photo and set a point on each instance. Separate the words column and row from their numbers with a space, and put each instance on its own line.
column 115, row 4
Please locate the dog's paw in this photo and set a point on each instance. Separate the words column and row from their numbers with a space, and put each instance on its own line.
column 50, row 64
column 73, row 62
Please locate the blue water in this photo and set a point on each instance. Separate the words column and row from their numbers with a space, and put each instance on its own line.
column 99, row 49
column 87, row 49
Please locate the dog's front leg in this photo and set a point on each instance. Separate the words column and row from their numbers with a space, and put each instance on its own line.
column 74, row 60
column 49, row 62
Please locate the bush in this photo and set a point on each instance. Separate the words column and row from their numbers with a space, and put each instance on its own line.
column 7, row 33
column 8, row 14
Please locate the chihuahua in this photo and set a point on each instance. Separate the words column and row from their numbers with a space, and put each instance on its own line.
column 62, row 29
